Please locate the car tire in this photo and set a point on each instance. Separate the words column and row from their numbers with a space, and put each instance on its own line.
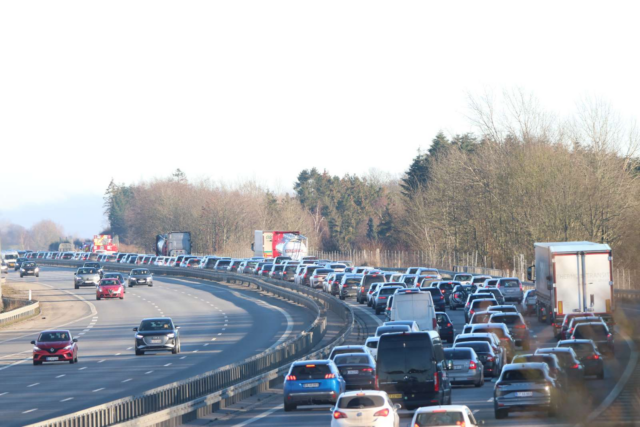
column 139, row 353
column 37, row 363
column 121, row 297
column 342, row 297
column 501, row 414
column 479, row 383
column 77, row 287
column 378, row 310
column 37, row 275
column 150, row 285
column 97, row 298
column 21, row 276
column 360, row 301
column 288, row 407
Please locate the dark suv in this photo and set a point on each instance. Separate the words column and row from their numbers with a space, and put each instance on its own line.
column 157, row 334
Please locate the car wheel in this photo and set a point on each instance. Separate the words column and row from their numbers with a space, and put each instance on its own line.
column 37, row 362
column 360, row 301
column 72, row 361
column 501, row 414
column 342, row 297
column 77, row 287
column 21, row 276
column 553, row 409
column 139, row 353
column 37, row 275
column 150, row 285
column 479, row 383
column 288, row 407
column 377, row 310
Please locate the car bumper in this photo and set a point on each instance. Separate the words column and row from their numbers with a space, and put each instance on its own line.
column 60, row 355
column 514, row 297
column 527, row 404
column 593, row 367
column 83, row 283
column 301, row 397
column 360, row 383
column 110, row 295
column 412, row 401
column 465, row 377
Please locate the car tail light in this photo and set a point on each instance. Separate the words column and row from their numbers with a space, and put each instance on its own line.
column 442, row 291
column 382, row 413
column 337, row 415
column 441, row 297
column 472, row 365
column 448, row 325
column 436, row 382
column 576, row 366
column 520, row 327
column 382, row 297
column 344, row 286
column 291, row 378
column 389, row 308
column 466, row 305
column 457, row 295
column 376, row 383
column 490, row 358
column 367, row 370
column 609, row 337
column 330, row 376
column 471, row 311
column 593, row 357
column 315, row 277
column 305, row 276
column 570, row 331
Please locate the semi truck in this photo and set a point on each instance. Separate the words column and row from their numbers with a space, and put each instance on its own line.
column 173, row 244
column 572, row 277
column 273, row 244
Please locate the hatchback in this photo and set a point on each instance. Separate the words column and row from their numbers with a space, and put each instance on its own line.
column 588, row 355
column 312, row 382
column 517, row 327
column 489, row 359
column 55, row 346
column 369, row 407
column 467, row 367
column 447, row 415
column 109, row 288
column 445, row 327
column 511, row 288
column 525, row 387
column 598, row 333
column 357, row 369
column 157, row 334
column 569, row 362
column 349, row 284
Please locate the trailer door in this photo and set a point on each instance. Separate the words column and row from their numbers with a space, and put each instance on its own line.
column 597, row 282
column 568, row 288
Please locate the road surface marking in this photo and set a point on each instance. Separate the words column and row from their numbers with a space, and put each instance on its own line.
column 33, row 385
column 118, row 354
column 103, row 360
column 98, row 389
column 206, row 344
column 60, row 376
column 213, row 339
column 129, row 348
column 67, row 399
column 81, row 369
column 259, row 417
column 168, row 364
column 30, row 410
column 183, row 357
column 2, row 394
column 220, row 334
column 195, row 351
column 147, row 373
column 127, row 380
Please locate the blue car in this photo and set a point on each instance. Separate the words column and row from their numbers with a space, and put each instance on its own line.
column 312, row 382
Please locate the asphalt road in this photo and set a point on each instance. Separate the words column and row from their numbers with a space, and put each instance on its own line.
column 220, row 324
column 268, row 412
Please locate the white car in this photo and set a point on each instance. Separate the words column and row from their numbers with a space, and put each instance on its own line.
column 366, row 407
column 372, row 345
column 446, row 415
column 463, row 278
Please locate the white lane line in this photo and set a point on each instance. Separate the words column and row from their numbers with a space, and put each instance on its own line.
column 81, row 333
column 475, row 411
column 60, row 376
column 15, row 363
column 206, row 344
column 33, row 385
column 213, row 339
column 183, row 357
column 195, row 351
column 82, row 369
column 490, row 400
column 148, row 372
column 224, row 329
column 129, row 348
column 85, row 330
column 259, row 417
column 127, row 380
column 2, row 394
column 168, row 364
column 30, row 410
column 67, row 399
column 103, row 360
column 118, row 354
column 98, row 389
column 220, row 334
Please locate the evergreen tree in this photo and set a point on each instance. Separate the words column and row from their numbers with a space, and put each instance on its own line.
column 418, row 174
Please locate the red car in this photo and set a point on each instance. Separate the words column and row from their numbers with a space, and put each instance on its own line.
column 109, row 288
column 55, row 346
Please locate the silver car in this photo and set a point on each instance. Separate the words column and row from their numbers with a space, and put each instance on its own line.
column 526, row 387
column 511, row 288
column 467, row 367
column 86, row 276
column 140, row 276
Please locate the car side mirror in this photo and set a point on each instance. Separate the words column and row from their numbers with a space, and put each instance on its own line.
column 449, row 365
column 33, row 342
column 75, row 340
column 397, row 406
column 135, row 329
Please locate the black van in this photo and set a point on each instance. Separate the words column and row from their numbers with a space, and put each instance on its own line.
column 411, row 368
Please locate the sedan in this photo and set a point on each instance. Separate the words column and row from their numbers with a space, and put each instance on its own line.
column 445, row 327
column 4, row 268
column 369, row 407
column 467, row 367
column 588, row 355
column 525, row 386
column 29, row 269
column 55, row 346
column 109, row 288
column 312, row 382
column 568, row 362
column 140, row 276
column 357, row 369
column 489, row 360
column 157, row 334
column 86, row 276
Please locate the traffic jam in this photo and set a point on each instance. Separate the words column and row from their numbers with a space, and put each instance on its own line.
column 418, row 357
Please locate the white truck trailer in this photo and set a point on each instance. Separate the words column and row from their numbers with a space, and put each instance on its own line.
column 572, row 277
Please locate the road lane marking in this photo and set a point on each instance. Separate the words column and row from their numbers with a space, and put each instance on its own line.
column 103, row 360
column 130, row 348
column 220, row 334
column 30, row 410
column 195, row 351
column 2, row 394
column 98, row 389
column 33, row 385
column 118, row 354
column 259, row 417
column 213, row 339
column 183, row 357
column 67, row 399
column 206, row 344
column 490, row 400
column 168, row 364
column 82, row 369
column 147, row 373
column 127, row 380
column 60, row 376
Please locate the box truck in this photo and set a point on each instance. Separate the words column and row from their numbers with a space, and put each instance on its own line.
column 272, row 244
column 174, row 243
column 572, row 277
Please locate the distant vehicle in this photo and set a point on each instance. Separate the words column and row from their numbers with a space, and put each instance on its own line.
column 157, row 334
column 29, row 268
column 526, row 386
column 511, row 288
column 121, row 277
column 173, row 244
column 588, row 355
column 417, row 307
column 9, row 257
column 346, row 349
column 275, row 244
column 449, row 415
column 467, row 367
column 140, row 276
column 569, row 363
column 489, row 359
column 370, row 407
column 357, row 369
column 445, row 327
column 4, row 268
column 372, row 345
column 529, row 302
column 312, row 382
column 109, row 288
column 95, row 265
column 86, row 276
column 598, row 333
column 463, row 278
column 102, row 244
column 18, row 263
column 572, row 277
column 55, row 346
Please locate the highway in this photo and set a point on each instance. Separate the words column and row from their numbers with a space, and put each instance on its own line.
column 220, row 324
column 269, row 413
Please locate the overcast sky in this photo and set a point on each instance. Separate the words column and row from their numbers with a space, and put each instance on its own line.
column 236, row 90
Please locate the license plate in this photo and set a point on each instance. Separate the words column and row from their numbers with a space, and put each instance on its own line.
column 52, row 359
column 156, row 341
column 311, row 385
column 395, row 396
column 141, row 280
column 455, row 368
column 354, row 287
column 352, row 372
column 524, row 394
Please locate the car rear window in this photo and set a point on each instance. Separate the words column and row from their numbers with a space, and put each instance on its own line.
column 345, row 351
column 487, row 330
column 464, row 277
column 523, row 375
column 351, row 360
column 581, row 348
column 391, row 329
column 440, row 418
column 565, row 358
column 478, row 347
column 478, row 280
column 591, row 332
column 480, row 318
column 360, row 402
column 352, row 282
column 506, row 319
column 387, row 291
column 446, row 286
column 323, row 271
column 372, row 344
column 373, row 278
column 457, row 354
column 510, row 283
column 483, row 304
column 310, row 372
column 404, row 354
column 532, row 358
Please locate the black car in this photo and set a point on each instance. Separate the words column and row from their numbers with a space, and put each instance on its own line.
column 19, row 262
column 140, row 276
column 438, row 298
column 485, row 353
column 598, row 332
column 29, row 268
column 357, row 369
column 157, row 334
column 569, row 362
column 118, row 276
column 95, row 265
column 496, row 293
column 458, row 296
column 348, row 285
column 552, row 362
column 517, row 327
column 445, row 327
column 365, row 284
column 411, row 369
column 588, row 355
column 446, row 288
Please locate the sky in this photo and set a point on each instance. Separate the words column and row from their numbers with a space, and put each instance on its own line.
column 238, row 90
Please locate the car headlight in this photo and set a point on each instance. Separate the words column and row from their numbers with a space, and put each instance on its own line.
column 171, row 335
column 139, row 336
column 99, row 289
column 22, row 269
column 68, row 347
column 37, row 269
column 36, row 348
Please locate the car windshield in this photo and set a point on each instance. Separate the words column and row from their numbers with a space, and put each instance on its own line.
column 440, row 417
column 352, row 282
column 109, row 282
column 390, row 329
column 226, row 264
column 310, row 372
column 480, row 318
column 87, row 271
column 53, row 336
column 140, row 272
column 29, row 264
column 112, row 276
column 457, row 354
column 510, row 283
column 10, row 256
column 92, row 264
column 156, row 325
column 523, row 375
column 360, row 402
column 351, row 360
column 372, row 344
column 464, row 277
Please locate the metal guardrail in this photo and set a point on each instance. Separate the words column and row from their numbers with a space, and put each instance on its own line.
column 197, row 394
column 30, row 308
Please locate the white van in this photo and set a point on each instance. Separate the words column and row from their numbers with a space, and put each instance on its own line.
column 416, row 306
